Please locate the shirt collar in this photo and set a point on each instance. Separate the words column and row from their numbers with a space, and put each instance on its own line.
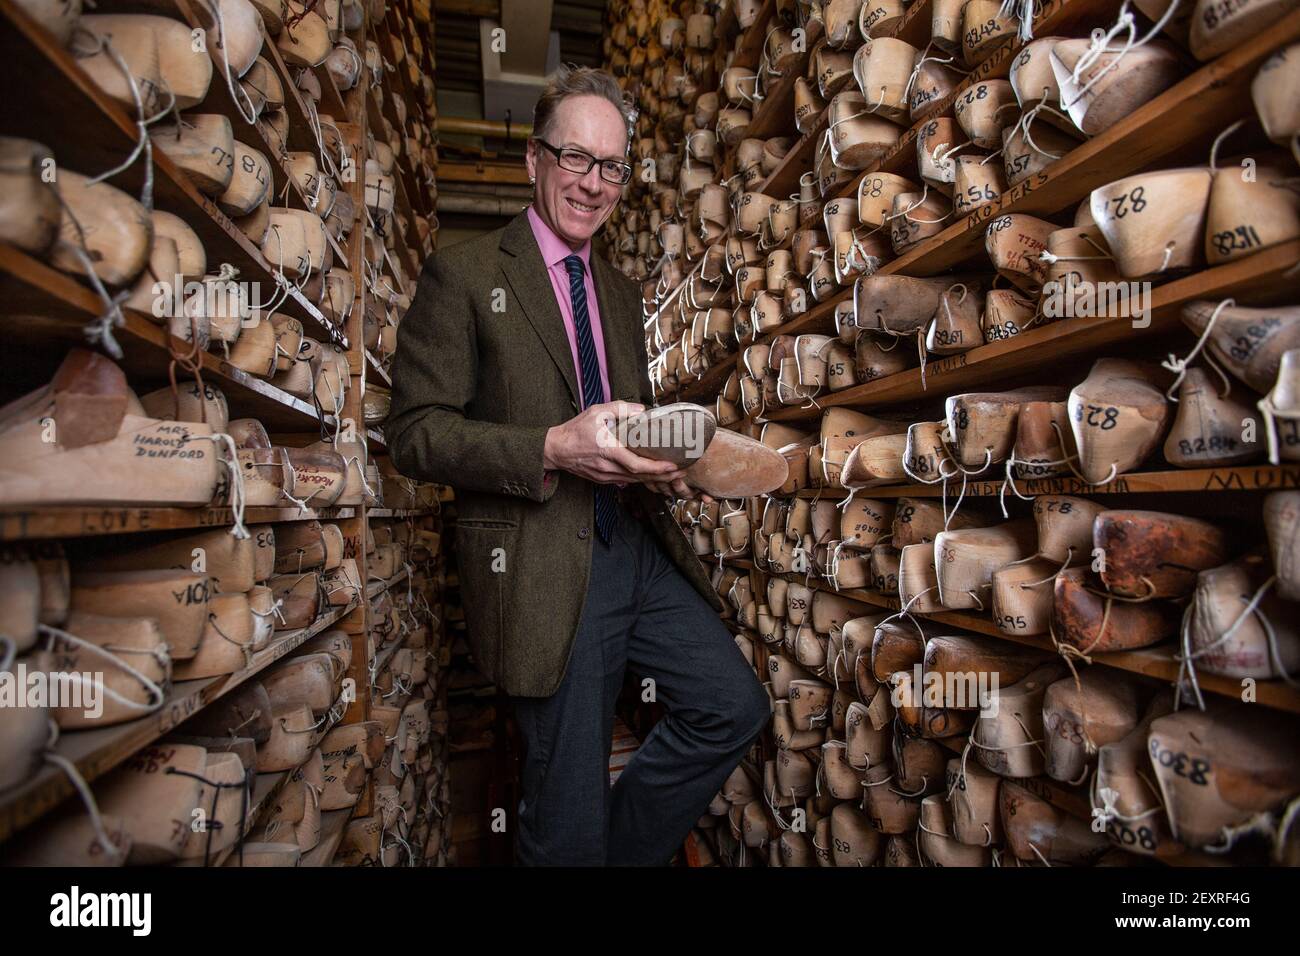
column 554, row 249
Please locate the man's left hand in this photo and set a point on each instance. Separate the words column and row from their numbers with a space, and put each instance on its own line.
column 678, row 488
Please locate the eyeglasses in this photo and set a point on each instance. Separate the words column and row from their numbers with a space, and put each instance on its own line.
column 577, row 161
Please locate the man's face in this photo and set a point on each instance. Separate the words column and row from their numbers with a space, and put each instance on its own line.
column 574, row 205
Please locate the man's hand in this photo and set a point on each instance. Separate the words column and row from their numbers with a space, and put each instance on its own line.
column 677, row 488
column 587, row 446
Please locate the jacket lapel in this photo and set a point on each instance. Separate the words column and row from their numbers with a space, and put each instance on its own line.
column 525, row 271
column 621, row 346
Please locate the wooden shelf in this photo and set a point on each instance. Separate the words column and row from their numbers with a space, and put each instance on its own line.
column 331, row 101
column 89, row 132
column 402, row 242
column 1156, row 662
column 96, row 752
column 416, row 197
column 267, row 786
column 511, row 174
column 385, row 655
column 784, row 180
column 379, row 369
column 915, row 24
column 1077, row 802
column 776, row 114
column 1261, row 477
column 79, row 522
column 375, row 588
column 1056, row 17
column 47, row 312
column 913, row 27
column 750, row 50
column 726, row 26
column 1129, row 135
column 1253, row 278
column 1191, row 113
column 301, row 132
column 376, row 439
column 51, row 309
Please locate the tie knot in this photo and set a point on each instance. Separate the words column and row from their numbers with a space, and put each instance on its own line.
column 574, row 264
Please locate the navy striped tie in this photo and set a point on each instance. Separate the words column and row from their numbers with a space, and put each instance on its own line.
column 593, row 392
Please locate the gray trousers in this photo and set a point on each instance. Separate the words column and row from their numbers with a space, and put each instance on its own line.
column 640, row 613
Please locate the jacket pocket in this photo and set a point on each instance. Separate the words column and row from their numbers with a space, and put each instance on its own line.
column 488, row 524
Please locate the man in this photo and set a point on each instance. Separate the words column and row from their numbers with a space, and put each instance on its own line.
column 519, row 352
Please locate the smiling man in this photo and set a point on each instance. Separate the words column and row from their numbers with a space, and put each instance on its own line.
column 518, row 354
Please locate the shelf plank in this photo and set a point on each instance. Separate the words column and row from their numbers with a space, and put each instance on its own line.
column 784, row 180
column 776, row 114
column 379, row 369
column 96, row 752
column 512, row 174
column 78, row 522
column 1156, row 662
column 915, row 25
column 1258, row 277
column 48, row 307
column 750, row 47
column 331, row 103
column 1261, row 477
column 385, row 654
column 377, row 587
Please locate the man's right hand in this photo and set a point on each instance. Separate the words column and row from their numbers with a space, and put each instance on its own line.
column 587, row 446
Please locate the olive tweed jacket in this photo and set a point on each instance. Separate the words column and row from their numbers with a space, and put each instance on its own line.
column 483, row 369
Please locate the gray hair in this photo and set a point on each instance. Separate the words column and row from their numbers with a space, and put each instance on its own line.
column 570, row 80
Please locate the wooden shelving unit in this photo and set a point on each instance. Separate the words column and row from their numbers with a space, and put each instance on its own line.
column 47, row 311
column 1176, row 128
column 72, row 116
column 95, row 752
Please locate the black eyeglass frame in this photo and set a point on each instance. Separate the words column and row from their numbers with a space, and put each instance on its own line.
column 557, row 151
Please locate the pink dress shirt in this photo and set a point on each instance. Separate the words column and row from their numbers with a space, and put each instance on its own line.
column 554, row 251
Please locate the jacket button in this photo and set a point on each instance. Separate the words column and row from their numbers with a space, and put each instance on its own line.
column 583, row 533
